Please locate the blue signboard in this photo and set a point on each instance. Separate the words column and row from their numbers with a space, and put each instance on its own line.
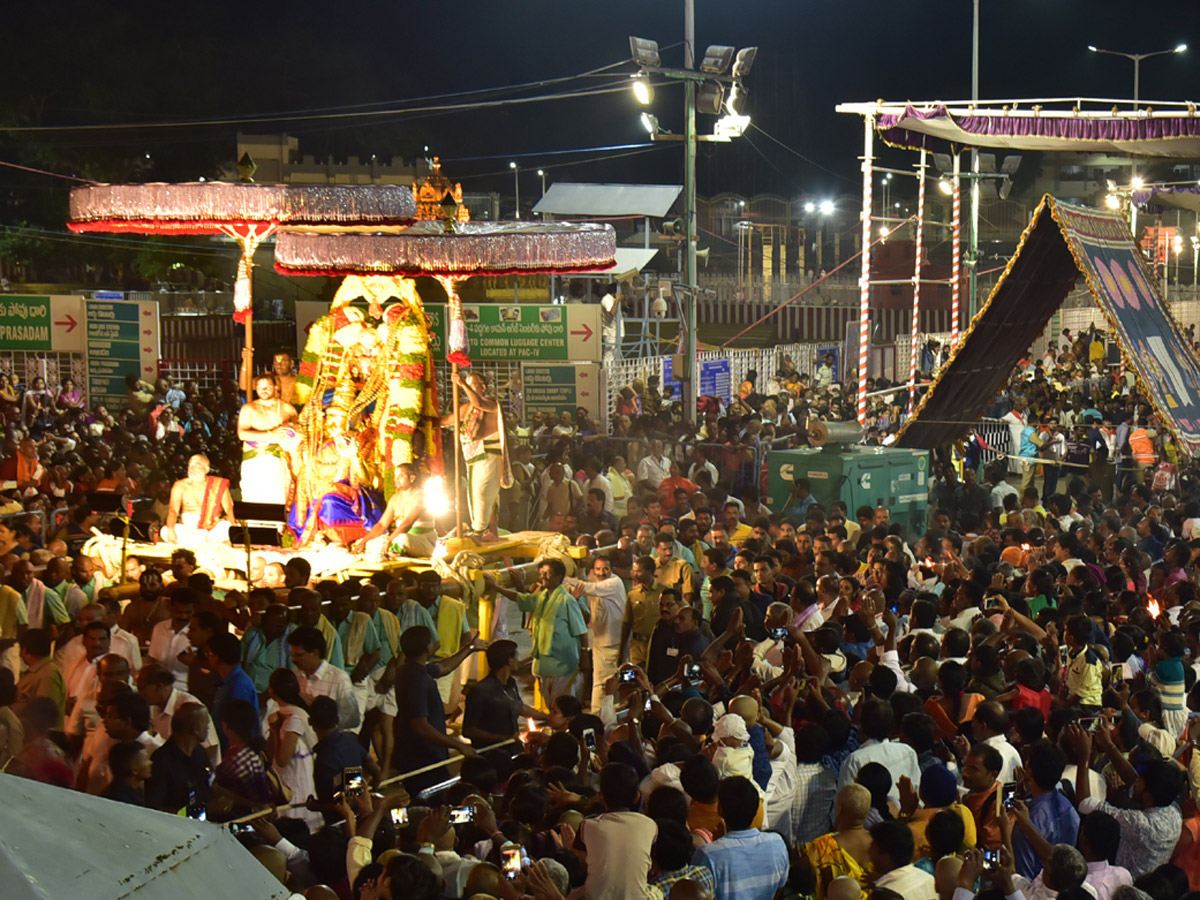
column 716, row 379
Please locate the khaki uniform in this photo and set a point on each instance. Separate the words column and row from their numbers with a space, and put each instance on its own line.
column 645, row 614
column 678, row 574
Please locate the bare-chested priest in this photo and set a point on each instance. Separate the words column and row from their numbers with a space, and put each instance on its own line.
column 266, row 426
column 201, row 510
column 405, row 529
column 485, row 451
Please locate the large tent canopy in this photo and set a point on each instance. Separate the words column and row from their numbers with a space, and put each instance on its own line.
column 1161, row 129
column 1064, row 242
column 59, row 843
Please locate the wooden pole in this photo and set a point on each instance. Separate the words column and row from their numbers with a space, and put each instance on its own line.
column 458, row 531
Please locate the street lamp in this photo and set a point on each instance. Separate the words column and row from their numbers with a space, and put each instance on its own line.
column 703, row 91
column 1137, row 63
column 516, row 187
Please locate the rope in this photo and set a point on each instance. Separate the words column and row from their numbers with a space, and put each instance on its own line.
column 262, row 813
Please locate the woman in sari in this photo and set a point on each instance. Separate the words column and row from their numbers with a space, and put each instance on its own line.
column 844, row 852
column 953, row 707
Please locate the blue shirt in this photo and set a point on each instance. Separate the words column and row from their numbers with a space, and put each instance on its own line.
column 761, row 766
column 1053, row 816
column 746, row 865
column 237, row 686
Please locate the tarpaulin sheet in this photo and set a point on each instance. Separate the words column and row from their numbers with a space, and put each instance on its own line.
column 1062, row 242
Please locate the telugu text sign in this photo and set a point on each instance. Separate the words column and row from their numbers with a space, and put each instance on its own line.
column 122, row 339
column 561, row 388
column 25, row 323
column 524, row 331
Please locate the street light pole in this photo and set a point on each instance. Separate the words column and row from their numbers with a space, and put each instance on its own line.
column 516, row 187
column 973, row 242
column 689, row 210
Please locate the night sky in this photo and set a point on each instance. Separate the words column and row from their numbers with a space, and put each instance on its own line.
column 86, row 62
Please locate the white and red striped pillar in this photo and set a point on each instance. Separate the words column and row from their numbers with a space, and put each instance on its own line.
column 955, row 253
column 916, row 315
column 864, row 280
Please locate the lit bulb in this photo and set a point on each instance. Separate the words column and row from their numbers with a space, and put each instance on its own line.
column 1112, row 201
column 1137, row 182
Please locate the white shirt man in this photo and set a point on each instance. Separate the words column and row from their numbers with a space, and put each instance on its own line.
column 653, row 468
column 160, row 722
column 120, row 642
column 1008, row 753
column 601, row 483
column 330, row 681
column 610, row 621
column 166, row 644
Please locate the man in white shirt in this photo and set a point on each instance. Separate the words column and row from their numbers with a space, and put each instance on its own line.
column 991, row 726
column 598, row 481
column 120, row 642
column 156, row 685
column 80, row 676
column 891, row 854
column 654, row 467
column 170, row 637
column 877, row 725
column 610, row 625
column 319, row 679
column 699, row 464
column 1015, row 420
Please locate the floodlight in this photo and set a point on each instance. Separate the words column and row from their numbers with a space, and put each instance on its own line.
column 987, row 188
column 942, row 162
column 1180, row 48
column 987, row 162
column 650, row 123
column 810, row 207
column 945, row 186
column 745, row 59
column 1112, row 201
column 1137, row 182
column 731, row 126
column 826, row 207
column 1010, row 164
column 709, row 98
column 1093, row 48
column 736, row 101
column 716, row 59
column 642, row 92
column 644, row 52
column 512, row 165
column 1005, row 189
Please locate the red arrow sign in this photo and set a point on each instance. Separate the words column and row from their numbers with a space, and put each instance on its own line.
column 147, row 331
column 586, row 332
column 70, row 323
column 147, row 349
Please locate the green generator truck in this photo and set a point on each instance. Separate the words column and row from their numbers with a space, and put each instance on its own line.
column 860, row 476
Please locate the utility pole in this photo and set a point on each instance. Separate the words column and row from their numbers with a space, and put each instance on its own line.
column 973, row 244
column 692, row 380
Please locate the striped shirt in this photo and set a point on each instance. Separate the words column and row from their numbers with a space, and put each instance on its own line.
column 746, row 865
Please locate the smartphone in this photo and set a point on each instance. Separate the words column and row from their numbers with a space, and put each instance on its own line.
column 1064, row 656
column 352, row 781
column 991, row 860
column 693, row 671
column 461, row 815
column 195, row 809
column 779, row 634
column 1091, row 723
column 1118, row 679
column 589, row 738
column 241, row 827
column 400, row 816
column 649, row 704
column 1008, row 793
column 627, row 676
column 511, row 862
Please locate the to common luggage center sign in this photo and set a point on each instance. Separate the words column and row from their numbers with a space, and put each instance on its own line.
column 524, row 331
column 122, row 339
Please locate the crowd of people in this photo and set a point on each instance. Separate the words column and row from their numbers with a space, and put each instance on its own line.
column 726, row 698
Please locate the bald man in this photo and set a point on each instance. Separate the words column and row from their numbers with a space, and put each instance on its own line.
column 200, row 510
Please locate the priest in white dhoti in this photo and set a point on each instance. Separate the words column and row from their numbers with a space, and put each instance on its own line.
column 267, row 429
column 485, row 451
column 200, row 511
